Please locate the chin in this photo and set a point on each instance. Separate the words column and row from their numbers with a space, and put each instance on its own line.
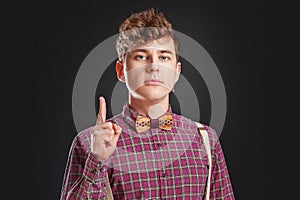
column 152, row 95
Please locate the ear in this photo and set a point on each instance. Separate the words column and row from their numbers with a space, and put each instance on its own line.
column 120, row 71
column 178, row 70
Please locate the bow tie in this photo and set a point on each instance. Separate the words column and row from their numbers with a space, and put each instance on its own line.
column 144, row 123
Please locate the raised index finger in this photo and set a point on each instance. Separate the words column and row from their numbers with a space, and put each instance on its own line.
column 102, row 111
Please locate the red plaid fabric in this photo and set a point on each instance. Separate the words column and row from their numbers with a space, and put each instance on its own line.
column 155, row 164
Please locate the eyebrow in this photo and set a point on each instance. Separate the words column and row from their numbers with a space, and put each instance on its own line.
column 146, row 50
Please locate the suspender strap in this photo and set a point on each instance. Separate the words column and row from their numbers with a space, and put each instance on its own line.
column 109, row 194
column 204, row 136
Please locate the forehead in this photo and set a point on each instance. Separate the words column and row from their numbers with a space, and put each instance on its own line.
column 161, row 44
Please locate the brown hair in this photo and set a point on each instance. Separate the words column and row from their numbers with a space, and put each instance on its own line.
column 142, row 27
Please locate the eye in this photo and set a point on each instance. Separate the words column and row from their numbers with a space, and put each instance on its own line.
column 141, row 57
column 165, row 58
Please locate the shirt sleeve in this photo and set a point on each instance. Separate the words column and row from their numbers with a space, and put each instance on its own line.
column 220, row 187
column 84, row 176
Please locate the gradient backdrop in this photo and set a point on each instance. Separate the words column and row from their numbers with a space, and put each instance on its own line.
column 64, row 33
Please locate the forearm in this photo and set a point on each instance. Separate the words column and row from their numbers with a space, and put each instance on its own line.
column 87, row 182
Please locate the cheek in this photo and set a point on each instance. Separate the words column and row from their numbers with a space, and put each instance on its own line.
column 169, row 76
column 135, row 78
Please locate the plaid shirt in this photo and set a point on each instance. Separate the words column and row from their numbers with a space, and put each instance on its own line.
column 155, row 164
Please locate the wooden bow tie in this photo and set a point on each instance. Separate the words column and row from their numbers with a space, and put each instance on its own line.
column 144, row 123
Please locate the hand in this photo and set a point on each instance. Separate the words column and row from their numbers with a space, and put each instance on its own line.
column 104, row 135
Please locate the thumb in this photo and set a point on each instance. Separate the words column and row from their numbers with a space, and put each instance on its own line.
column 118, row 130
column 102, row 111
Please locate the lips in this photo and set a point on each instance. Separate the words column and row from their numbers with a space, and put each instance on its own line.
column 153, row 82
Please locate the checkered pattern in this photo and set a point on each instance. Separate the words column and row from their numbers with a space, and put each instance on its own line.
column 155, row 164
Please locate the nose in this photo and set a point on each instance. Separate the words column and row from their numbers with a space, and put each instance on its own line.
column 153, row 64
column 154, row 59
column 152, row 67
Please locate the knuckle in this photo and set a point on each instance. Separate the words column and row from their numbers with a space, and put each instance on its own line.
column 96, row 133
column 95, row 129
column 108, row 124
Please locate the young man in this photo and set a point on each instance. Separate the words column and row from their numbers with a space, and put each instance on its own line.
column 147, row 151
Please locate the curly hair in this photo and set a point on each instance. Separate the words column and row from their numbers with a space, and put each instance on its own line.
column 142, row 27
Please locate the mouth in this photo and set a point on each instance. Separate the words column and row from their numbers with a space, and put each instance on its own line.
column 153, row 82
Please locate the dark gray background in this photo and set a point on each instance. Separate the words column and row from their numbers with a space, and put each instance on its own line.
column 60, row 34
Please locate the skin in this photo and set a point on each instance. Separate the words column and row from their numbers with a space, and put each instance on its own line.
column 146, row 62
column 104, row 135
column 155, row 53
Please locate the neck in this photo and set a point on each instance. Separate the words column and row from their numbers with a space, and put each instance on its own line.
column 150, row 108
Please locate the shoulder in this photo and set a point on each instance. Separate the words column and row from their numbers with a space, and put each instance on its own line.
column 83, row 139
column 183, row 121
column 212, row 135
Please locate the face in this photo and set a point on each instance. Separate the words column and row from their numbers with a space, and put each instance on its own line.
column 151, row 70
